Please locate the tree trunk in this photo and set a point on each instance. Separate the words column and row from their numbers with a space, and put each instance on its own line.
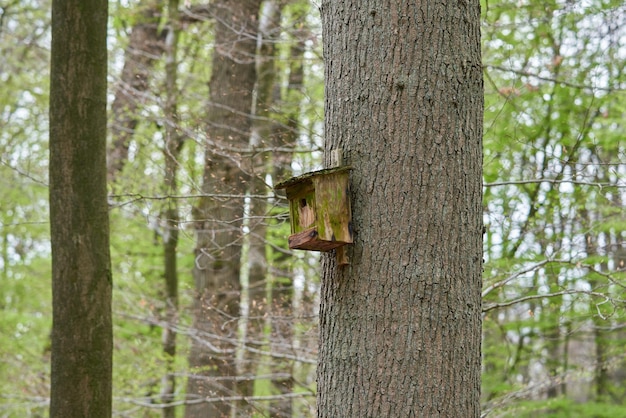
column 261, row 132
column 400, row 328
column 145, row 47
column 82, row 339
column 218, row 215
column 172, row 148
column 280, row 301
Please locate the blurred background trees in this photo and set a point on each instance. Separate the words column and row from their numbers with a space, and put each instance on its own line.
column 554, row 207
column 210, row 106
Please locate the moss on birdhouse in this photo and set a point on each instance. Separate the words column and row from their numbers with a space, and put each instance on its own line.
column 319, row 207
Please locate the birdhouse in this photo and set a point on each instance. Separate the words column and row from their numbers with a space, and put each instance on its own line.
column 319, row 208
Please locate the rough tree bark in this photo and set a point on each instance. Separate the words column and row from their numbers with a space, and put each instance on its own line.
column 82, row 339
column 400, row 328
column 218, row 216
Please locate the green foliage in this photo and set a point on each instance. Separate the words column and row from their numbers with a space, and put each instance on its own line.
column 24, row 241
column 554, row 197
column 564, row 408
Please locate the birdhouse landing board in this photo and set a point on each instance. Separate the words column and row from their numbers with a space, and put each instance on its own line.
column 319, row 208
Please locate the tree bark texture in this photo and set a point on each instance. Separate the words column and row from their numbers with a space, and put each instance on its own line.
column 81, row 271
column 400, row 328
column 218, row 220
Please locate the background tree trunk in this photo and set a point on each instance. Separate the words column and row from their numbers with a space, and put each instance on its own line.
column 218, row 216
column 400, row 328
column 280, row 272
column 255, row 267
column 171, row 217
column 145, row 47
column 82, row 339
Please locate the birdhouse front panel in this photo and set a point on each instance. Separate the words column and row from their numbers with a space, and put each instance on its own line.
column 302, row 206
column 319, row 207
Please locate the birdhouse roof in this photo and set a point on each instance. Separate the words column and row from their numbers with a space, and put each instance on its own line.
column 309, row 176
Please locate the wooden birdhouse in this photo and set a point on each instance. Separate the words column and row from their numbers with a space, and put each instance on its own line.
column 319, row 208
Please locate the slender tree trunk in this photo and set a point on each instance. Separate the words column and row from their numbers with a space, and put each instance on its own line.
column 82, row 335
column 4, row 257
column 270, row 297
column 145, row 47
column 260, row 138
column 288, row 133
column 173, row 145
column 280, row 300
column 400, row 328
column 218, row 216
column 554, row 358
column 602, row 340
column 601, row 378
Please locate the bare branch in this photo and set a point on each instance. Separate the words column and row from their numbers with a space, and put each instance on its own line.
column 555, row 181
column 148, row 402
column 517, row 274
column 551, row 80
column 606, row 298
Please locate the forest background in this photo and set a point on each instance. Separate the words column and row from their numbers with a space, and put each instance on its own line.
column 190, row 190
